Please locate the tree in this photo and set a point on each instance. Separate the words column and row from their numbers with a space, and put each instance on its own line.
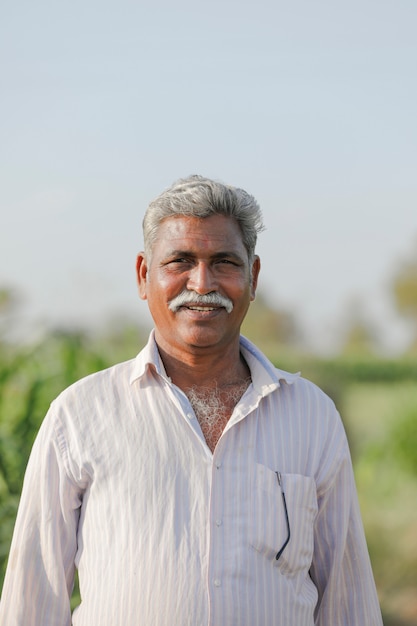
column 9, row 300
column 359, row 336
column 405, row 290
column 268, row 327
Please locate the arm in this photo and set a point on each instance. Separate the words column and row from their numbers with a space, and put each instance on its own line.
column 341, row 567
column 40, row 572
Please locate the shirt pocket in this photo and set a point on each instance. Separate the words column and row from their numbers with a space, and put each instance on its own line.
column 269, row 528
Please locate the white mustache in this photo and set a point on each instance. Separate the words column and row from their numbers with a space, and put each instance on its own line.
column 190, row 297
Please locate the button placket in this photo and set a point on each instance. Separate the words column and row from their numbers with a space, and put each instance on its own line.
column 216, row 515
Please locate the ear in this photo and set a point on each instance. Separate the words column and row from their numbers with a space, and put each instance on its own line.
column 256, row 266
column 142, row 275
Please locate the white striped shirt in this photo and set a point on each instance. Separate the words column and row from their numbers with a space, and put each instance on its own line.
column 122, row 485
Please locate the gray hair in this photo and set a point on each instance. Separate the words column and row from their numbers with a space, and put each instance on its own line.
column 197, row 196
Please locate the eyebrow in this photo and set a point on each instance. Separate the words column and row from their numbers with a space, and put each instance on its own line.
column 217, row 255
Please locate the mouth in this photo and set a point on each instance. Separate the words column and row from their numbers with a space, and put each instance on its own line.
column 197, row 311
column 202, row 308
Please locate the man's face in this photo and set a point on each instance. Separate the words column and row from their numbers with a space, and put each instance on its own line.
column 200, row 256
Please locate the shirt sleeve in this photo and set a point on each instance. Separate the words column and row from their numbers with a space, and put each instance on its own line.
column 40, row 571
column 341, row 567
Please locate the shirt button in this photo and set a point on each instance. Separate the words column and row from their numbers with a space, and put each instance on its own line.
column 218, row 522
column 190, row 416
column 218, row 465
column 217, row 583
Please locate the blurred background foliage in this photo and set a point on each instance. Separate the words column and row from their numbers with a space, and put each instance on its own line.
column 376, row 395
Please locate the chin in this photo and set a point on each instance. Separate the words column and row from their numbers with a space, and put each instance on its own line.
column 206, row 339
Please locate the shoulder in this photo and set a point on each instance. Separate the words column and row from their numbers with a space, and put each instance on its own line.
column 306, row 390
column 96, row 389
column 268, row 377
column 84, row 417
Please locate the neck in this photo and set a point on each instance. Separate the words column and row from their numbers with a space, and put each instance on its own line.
column 211, row 371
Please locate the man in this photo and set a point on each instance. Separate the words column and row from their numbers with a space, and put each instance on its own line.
column 196, row 484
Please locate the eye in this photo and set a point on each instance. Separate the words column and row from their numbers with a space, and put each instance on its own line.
column 228, row 262
column 178, row 261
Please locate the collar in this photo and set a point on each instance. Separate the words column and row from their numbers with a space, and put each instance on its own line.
column 148, row 357
column 265, row 377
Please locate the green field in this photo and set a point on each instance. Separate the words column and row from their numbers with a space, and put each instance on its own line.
column 382, row 421
column 377, row 400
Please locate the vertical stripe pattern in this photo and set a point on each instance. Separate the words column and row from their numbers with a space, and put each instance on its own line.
column 122, row 485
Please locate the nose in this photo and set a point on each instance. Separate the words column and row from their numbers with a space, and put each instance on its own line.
column 201, row 279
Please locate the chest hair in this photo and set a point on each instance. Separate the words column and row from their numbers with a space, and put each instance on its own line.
column 214, row 406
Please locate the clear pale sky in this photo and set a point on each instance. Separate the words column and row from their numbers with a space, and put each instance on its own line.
column 310, row 106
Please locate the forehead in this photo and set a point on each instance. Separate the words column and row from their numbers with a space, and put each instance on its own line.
column 217, row 232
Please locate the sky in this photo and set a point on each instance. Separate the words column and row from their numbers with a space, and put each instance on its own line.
column 309, row 106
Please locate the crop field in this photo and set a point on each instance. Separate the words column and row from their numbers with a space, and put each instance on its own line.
column 378, row 403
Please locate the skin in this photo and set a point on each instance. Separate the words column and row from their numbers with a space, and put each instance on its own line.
column 202, row 255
